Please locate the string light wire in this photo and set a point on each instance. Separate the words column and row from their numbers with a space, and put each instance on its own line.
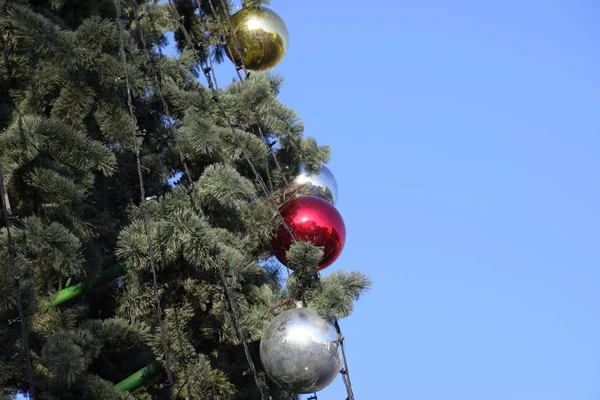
column 232, row 35
column 222, row 275
column 8, row 217
column 236, row 325
column 345, row 372
column 227, row 119
column 212, row 7
column 145, row 216
column 207, row 72
column 159, row 91
column 247, row 74
column 17, row 285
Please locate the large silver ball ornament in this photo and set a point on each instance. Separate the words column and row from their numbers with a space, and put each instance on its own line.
column 321, row 183
column 299, row 351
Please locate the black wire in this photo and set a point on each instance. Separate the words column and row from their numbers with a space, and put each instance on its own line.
column 17, row 284
column 182, row 156
column 12, row 252
column 243, row 67
column 157, row 80
column 220, row 269
column 210, row 61
column 234, row 314
column 346, row 371
column 262, row 136
column 212, row 7
column 228, row 293
column 247, row 75
column 159, row 312
column 235, row 42
column 217, row 101
column 346, row 374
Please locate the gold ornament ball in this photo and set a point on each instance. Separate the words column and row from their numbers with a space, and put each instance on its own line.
column 261, row 37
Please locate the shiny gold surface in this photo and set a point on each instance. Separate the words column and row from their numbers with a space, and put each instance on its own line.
column 261, row 37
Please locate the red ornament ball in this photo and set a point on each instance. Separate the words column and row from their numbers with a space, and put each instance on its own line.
column 313, row 220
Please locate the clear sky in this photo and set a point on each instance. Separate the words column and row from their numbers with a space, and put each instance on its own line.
column 465, row 139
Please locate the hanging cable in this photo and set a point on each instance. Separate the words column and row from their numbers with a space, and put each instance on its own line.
column 228, row 293
column 259, row 179
column 235, row 42
column 247, row 74
column 345, row 371
column 17, row 284
column 146, row 218
column 264, row 139
column 208, row 55
column 204, row 27
column 243, row 67
column 214, row 11
column 236, row 325
column 216, row 98
column 12, row 253
column 158, row 82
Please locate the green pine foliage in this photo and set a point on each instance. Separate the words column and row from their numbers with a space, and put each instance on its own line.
column 66, row 146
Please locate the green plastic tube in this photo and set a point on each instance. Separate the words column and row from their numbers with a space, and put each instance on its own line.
column 137, row 379
column 71, row 292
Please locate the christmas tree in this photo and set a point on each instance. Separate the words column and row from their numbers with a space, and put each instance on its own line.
column 140, row 206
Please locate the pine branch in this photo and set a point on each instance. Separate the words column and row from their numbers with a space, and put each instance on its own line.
column 68, row 146
column 35, row 31
column 51, row 247
column 338, row 293
column 222, row 186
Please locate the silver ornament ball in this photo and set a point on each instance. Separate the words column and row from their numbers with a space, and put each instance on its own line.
column 300, row 351
column 321, row 183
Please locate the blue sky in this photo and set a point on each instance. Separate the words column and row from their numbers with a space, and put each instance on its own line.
column 465, row 141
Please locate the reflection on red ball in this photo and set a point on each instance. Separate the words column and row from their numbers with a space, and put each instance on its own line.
column 313, row 220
